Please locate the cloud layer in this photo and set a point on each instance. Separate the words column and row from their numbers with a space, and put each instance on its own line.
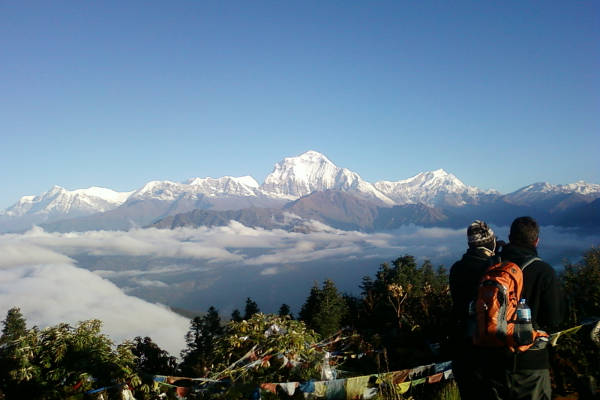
column 38, row 271
column 57, row 291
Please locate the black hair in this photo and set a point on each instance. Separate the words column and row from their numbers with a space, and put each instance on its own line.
column 524, row 231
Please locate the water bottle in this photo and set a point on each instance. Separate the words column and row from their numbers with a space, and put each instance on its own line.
column 471, row 320
column 523, row 326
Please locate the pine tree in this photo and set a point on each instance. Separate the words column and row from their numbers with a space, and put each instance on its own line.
column 324, row 309
column 151, row 358
column 284, row 310
column 251, row 308
column 311, row 305
column 236, row 316
column 332, row 309
column 14, row 325
column 204, row 331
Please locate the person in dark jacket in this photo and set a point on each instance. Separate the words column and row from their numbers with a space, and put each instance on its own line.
column 464, row 281
column 526, row 375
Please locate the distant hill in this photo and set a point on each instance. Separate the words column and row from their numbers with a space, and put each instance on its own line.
column 337, row 209
column 586, row 216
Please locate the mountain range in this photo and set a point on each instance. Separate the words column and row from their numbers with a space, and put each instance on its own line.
column 306, row 187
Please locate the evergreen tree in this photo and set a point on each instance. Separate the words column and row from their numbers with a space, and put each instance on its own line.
column 151, row 358
column 332, row 309
column 251, row 308
column 14, row 329
column 324, row 309
column 578, row 355
column 236, row 316
column 198, row 356
column 213, row 323
column 582, row 286
column 404, row 304
column 311, row 305
column 14, row 325
column 284, row 310
column 353, row 310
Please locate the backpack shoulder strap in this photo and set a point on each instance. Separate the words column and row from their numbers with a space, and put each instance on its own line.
column 526, row 264
column 495, row 259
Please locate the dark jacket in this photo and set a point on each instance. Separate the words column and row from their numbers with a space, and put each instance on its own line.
column 542, row 290
column 464, row 280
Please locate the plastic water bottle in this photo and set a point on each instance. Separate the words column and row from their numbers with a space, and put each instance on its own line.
column 523, row 326
column 471, row 320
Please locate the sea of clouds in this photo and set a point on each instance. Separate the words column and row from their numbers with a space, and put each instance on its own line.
column 70, row 277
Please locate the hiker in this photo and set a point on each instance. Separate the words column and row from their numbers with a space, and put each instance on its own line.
column 526, row 375
column 464, row 281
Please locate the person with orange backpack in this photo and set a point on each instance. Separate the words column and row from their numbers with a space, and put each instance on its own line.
column 519, row 299
column 464, row 278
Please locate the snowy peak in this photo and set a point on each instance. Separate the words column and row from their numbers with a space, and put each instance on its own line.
column 432, row 188
column 310, row 172
column 298, row 176
column 225, row 186
column 158, row 190
column 543, row 190
column 59, row 200
column 436, row 180
column 579, row 187
column 291, row 179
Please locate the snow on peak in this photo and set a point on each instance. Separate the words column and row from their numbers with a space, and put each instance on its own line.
column 542, row 189
column 311, row 156
column 224, row 186
column 311, row 171
column 431, row 188
column 59, row 200
column 298, row 176
column 291, row 178
column 248, row 181
column 242, row 180
column 581, row 187
column 103, row 193
column 159, row 190
column 196, row 188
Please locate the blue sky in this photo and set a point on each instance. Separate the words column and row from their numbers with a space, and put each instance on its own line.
column 115, row 94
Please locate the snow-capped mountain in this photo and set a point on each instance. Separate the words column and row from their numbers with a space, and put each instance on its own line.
column 226, row 186
column 60, row 201
column 433, row 188
column 543, row 190
column 292, row 179
column 310, row 172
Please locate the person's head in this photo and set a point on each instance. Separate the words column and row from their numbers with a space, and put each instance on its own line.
column 479, row 234
column 524, row 231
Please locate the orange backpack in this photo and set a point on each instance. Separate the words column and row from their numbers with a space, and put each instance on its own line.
column 496, row 309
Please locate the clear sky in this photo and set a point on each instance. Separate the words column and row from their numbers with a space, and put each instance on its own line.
column 117, row 93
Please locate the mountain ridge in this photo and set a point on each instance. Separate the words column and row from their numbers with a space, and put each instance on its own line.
column 292, row 179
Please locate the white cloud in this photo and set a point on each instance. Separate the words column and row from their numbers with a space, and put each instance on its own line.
column 52, row 293
column 25, row 254
column 181, row 243
column 270, row 271
column 130, row 273
column 150, row 283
